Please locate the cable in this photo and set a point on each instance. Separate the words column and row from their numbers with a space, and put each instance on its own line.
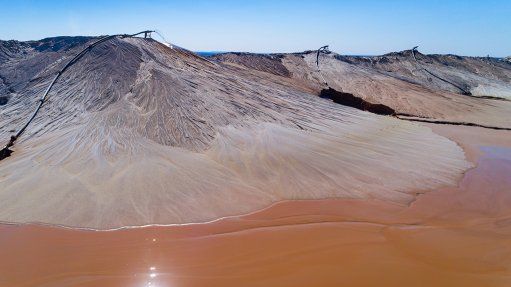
column 463, row 91
column 167, row 43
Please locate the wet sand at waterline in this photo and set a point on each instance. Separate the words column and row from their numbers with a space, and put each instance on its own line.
column 457, row 236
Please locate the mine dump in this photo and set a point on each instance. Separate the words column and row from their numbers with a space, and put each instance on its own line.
column 135, row 148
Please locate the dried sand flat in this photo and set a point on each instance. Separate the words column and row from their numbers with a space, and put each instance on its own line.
column 136, row 133
column 457, row 236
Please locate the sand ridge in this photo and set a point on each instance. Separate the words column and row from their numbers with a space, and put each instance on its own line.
column 396, row 81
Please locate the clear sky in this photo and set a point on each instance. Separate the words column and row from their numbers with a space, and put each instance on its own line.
column 361, row 27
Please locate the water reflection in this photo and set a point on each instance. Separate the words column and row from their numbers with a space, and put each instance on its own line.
column 152, row 275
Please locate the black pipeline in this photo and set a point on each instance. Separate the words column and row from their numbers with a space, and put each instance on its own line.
column 463, row 91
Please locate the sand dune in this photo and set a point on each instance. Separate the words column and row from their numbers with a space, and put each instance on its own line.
column 137, row 133
column 396, row 81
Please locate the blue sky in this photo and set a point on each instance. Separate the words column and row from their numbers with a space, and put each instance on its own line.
column 350, row 27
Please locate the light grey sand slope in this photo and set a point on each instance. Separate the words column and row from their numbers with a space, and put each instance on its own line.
column 137, row 133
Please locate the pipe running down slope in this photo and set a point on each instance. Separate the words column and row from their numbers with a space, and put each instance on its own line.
column 323, row 49
column 463, row 91
column 5, row 152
